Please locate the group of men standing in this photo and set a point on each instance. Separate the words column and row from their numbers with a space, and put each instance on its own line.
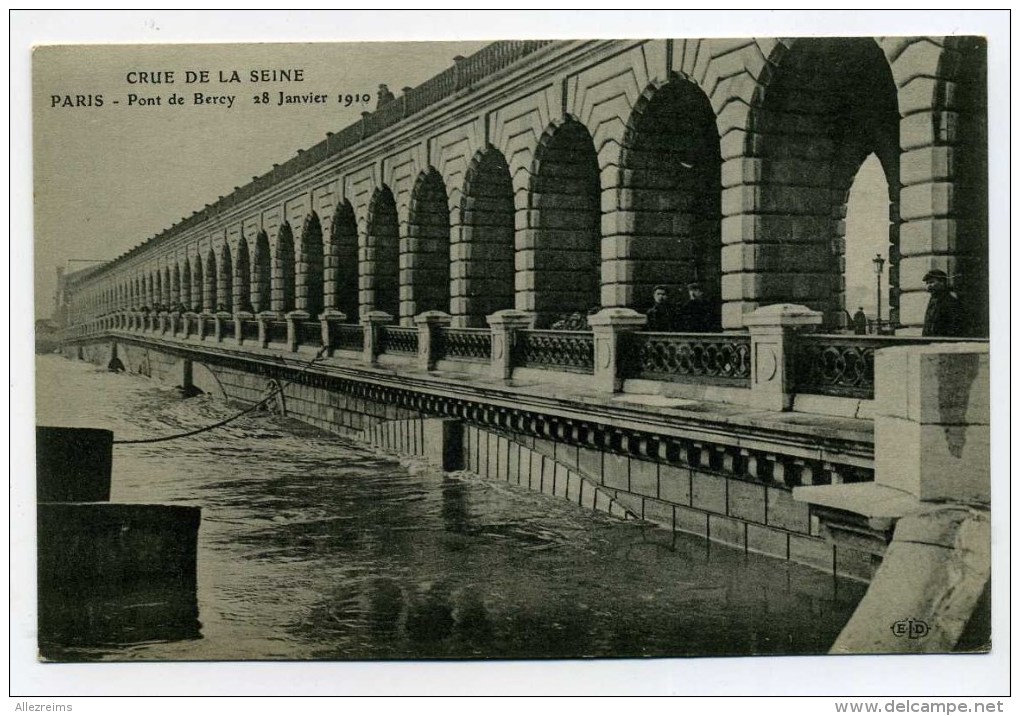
column 695, row 315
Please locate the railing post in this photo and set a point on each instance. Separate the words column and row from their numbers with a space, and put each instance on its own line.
column 428, row 323
column 164, row 322
column 190, row 323
column 608, row 326
column 372, row 322
column 239, row 318
column 773, row 332
column 218, row 318
column 264, row 318
column 327, row 318
column 932, row 421
column 504, row 325
column 293, row 337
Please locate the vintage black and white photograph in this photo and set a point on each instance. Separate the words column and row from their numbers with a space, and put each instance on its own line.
column 515, row 349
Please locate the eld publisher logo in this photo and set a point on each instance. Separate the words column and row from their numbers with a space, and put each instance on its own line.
column 911, row 628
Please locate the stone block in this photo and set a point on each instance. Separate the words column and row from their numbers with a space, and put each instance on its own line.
column 746, row 501
column 513, row 473
column 690, row 521
column 548, row 485
column 855, row 564
column 644, row 477
column 928, row 164
column 812, row 551
column 535, row 472
column 766, row 540
column 933, row 462
column 782, row 511
column 560, row 476
column 708, row 492
column 589, row 462
column 566, row 454
column 634, row 503
column 726, row 530
column 944, row 384
column 931, row 199
column 657, row 512
column 588, row 493
column 574, row 487
column 616, row 471
column 675, row 484
column 545, row 447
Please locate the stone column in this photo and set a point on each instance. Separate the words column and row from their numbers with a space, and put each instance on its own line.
column 239, row 318
column 428, row 323
column 504, row 325
column 264, row 318
column 932, row 421
column 329, row 317
column 218, row 318
column 773, row 330
column 293, row 337
column 372, row 321
column 609, row 326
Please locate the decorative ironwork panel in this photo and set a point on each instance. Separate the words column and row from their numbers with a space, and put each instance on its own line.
column 464, row 343
column 250, row 330
column 715, row 359
column 347, row 337
column 845, row 365
column 276, row 331
column 572, row 351
column 310, row 333
column 398, row 339
column 228, row 327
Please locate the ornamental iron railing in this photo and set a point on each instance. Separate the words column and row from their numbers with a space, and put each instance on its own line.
column 276, row 331
column 710, row 358
column 309, row 333
column 347, row 337
column 572, row 351
column 398, row 339
column 464, row 344
column 249, row 330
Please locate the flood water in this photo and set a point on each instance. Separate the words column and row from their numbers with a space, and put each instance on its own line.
column 315, row 547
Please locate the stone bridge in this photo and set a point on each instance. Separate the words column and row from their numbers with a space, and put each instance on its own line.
column 555, row 177
column 409, row 268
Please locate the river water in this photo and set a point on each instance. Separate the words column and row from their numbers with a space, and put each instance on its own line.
column 315, row 547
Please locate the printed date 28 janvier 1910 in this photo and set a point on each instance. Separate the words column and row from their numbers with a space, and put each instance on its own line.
column 207, row 99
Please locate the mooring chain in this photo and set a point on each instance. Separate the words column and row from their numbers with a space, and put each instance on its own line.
column 220, row 424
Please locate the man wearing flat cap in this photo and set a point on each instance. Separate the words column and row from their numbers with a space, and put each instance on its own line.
column 698, row 314
column 943, row 316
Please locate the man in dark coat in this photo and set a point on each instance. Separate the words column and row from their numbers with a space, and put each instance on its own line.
column 662, row 316
column 698, row 315
column 860, row 322
column 943, row 316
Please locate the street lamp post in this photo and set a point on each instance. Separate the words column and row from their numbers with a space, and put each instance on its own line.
column 878, row 262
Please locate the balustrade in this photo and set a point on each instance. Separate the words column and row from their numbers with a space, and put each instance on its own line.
column 309, row 333
column 347, row 337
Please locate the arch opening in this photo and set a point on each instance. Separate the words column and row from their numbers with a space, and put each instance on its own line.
column 483, row 259
column 425, row 251
column 225, row 281
column 209, row 295
column 262, row 272
column 566, row 233
column 310, row 267
column 379, row 273
column 282, row 298
column 341, row 262
column 242, row 278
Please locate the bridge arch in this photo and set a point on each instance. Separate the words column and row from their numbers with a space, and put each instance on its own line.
column 379, row 275
column 482, row 260
column 341, row 262
column 826, row 106
column 242, row 277
column 425, row 250
column 310, row 267
column 209, row 295
column 558, row 255
column 225, row 280
column 262, row 272
column 669, row 196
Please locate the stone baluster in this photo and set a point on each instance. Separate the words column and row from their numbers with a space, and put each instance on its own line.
column 264, row 319
column 773, row 332
column 293, row 333
column 428, row 324
column 239, row 318
column 504, row 324
column 329, row 318
column 373, row 322
column 219, row 318
column 609, row 326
